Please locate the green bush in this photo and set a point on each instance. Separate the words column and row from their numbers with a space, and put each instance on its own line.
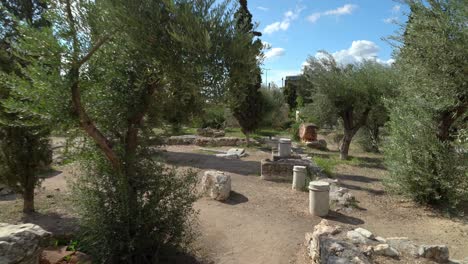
column 275, row 111
column 131, row 220
column 421, row 166
column 213, row 117
column 294, row 131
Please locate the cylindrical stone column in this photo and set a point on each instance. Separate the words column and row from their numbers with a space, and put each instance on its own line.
column 284, row 147
column 299, row 177
column 319, row 198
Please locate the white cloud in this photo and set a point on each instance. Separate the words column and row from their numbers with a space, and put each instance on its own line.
column 390, row 20
column 359, row 51
column 274, row 52
column 314, row 17
column 284, row 24
column 343, row 10
column 263, row 8
column 396, row 8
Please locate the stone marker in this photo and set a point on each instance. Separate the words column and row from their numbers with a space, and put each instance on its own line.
column 299, row 178
column 319, row 198
column 217, row 185
column 284, row 147
column 308, row 132
column 22, row 243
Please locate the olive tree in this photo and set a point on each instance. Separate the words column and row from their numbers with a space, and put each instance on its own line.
column 346, row 93
column 102, row 69
column 426, row 150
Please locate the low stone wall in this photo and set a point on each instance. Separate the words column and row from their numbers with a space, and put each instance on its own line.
column 282, row 169
column 205, row 141
column 334, row 244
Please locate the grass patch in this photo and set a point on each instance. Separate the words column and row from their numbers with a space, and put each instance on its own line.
column 328, row 165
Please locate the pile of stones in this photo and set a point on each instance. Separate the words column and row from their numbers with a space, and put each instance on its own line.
column 333, row 244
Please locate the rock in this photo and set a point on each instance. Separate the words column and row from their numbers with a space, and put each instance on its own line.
column 22, row 243
column 385, row 250
column 210, row 132
column 228, row 156
column 237, row 151
column 317, row 144
column 403, row 244
column 341, row 197
column 366, row 233
column 308, row 132
column 217, row 185
column 357, row 237
column 438, row 253
column 380, row 239
column 181, row 140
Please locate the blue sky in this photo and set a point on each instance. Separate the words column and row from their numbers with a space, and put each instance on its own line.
column 350, row 30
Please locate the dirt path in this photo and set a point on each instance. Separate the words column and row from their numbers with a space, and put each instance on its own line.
column 262, row 222
column 265, row 222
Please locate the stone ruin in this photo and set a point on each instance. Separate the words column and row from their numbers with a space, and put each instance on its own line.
column 216, row 185
column 210, row 132
column 308, row 135
column 333, row 244
column 206, row 141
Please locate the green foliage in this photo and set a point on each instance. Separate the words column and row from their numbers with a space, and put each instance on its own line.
column 24, row 139
column 347, row 93
column 424, row 155
column 294, row 131
column 244, row 82
column 121, row 229
column 213, row 117
column 114, row 72
column 275, row 111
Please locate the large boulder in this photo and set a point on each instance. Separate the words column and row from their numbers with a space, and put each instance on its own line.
column 308, row 132
column 22, row 243
column 217, row 185
column 437, row 253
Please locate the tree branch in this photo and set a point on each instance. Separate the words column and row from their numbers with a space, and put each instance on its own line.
column 85, row 121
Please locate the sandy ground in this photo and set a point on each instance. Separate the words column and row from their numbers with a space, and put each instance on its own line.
column 265, row 222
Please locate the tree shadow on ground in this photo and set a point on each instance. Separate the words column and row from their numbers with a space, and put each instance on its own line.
column 57, row 224
column 358, row 178
column 205, row 162
column 345, row 219
column 371, row 162
column 49, row 173
column 236, row 198
column 9, row 197
column 360, row 188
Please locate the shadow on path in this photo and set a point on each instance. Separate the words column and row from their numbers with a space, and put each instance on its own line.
column 345, row 219
column 236, row 198
column 211, row 162
column 55, row 223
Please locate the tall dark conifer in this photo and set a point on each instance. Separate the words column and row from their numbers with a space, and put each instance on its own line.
column 245, row 73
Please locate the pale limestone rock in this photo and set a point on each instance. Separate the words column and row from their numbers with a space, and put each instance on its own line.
column 385, row 250
column 357, row 237
column 217, row 185
column 438, row 253
column 22, row 243
column 366, row 233
column 403, row 244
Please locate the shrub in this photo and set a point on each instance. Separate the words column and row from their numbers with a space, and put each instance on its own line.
column 421, row 166
column 122, row 229
column 294, row 131
column 213, row 117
